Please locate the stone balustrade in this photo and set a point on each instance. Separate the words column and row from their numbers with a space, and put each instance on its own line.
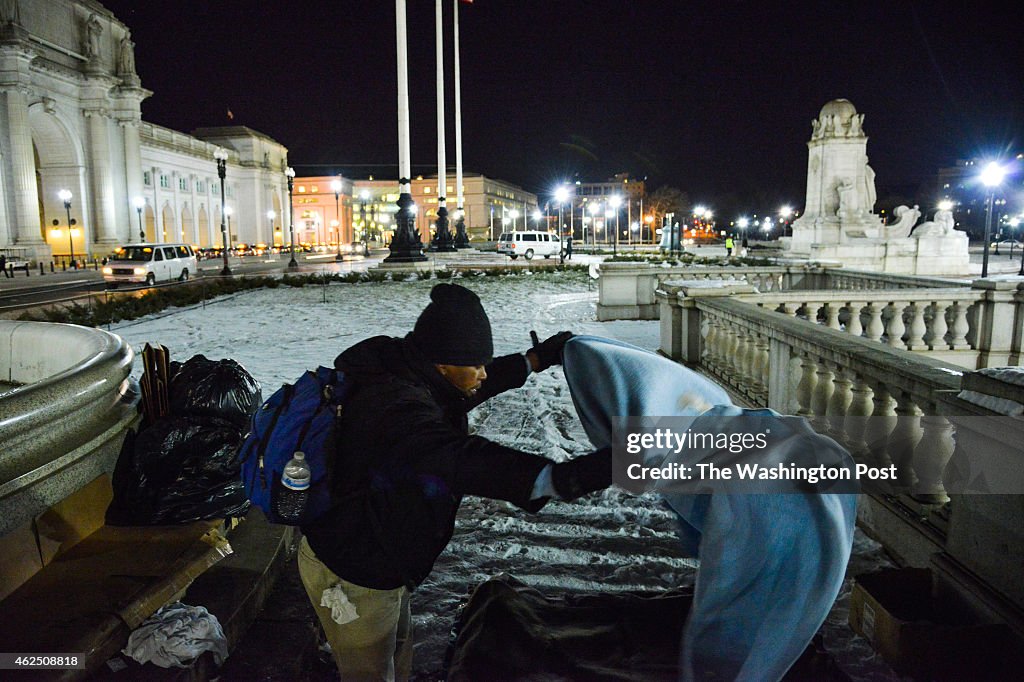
column 626, row 290
column 886, row 404
column 67, row 403
column 856, row 280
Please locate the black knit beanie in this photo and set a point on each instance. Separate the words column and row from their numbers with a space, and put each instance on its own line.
column 453, row 329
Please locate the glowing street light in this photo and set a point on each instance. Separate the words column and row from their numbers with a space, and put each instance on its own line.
column 992, row 176
column 336, row 188
column 786, row 212
column 221, row 157
column 561, row 196
column 65, row 196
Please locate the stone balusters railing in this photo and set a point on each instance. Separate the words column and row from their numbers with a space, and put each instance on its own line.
column 973, row 327
column 626, row 290
column 932, row 321
column 835, row 379
column 842, row 279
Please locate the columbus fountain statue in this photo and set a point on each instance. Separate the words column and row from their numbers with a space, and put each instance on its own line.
column 839, row 223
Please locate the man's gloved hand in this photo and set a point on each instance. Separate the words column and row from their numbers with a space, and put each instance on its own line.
column 582, row 475
column 549, row 351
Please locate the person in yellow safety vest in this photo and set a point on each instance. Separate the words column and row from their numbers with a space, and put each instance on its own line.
column 728, row 246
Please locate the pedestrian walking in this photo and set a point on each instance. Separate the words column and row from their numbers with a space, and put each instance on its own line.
column 3, row 265
column 728, row 246
column 568, row 247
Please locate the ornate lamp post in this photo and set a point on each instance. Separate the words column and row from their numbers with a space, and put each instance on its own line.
column 991, row 177
column 221, row 155
column 336, row 188
column 290, row 174
column 65, row 196
column 139, row 203
column 271, row 214
column 616, row 203
column 561, row 196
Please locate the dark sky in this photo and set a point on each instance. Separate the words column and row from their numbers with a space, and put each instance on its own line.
column 715, row 98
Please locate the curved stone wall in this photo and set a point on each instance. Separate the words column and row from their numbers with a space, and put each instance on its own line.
column 63, row 421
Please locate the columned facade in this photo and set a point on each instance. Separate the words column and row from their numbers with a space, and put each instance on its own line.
column 70, row 119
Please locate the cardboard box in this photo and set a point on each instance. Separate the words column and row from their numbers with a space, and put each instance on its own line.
column 896, row 611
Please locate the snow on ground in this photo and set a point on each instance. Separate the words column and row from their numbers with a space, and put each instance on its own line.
column 612, row 541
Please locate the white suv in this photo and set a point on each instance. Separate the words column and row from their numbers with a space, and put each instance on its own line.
column 528, row 244
column 150, row 263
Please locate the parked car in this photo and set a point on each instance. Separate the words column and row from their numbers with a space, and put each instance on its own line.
column 528, row 244
column 150, row 263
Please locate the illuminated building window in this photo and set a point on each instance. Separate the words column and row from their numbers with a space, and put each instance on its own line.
column 314, row 188
column 147, row 178
column 426, row 190
column 302, row 189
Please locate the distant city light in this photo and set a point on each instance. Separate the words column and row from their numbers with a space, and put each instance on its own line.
column 945, row 205
column 561, row 194
column 743, row 223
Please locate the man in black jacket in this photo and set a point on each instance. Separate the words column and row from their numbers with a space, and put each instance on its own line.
column 404, row 460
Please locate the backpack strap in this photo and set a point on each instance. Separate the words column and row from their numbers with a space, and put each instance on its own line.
column 264, row 441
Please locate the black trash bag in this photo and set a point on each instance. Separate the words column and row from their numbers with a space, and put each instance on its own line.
column 214, row 388
column 181, row 469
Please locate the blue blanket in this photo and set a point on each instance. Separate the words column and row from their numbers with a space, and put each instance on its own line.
column 771, row 565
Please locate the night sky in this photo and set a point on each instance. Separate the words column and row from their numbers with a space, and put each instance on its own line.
column 715, row 98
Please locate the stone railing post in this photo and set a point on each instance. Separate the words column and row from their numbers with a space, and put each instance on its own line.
column 999, row 318
column 681, row 319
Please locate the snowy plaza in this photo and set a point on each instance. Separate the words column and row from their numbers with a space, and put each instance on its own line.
column 611, row 541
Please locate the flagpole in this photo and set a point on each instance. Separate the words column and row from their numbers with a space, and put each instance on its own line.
column 442, row 237
column 461, row 238
column 405, row 244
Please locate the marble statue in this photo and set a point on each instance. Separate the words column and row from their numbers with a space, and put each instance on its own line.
column 906, row 218
column 126, row 56
column 848, row 198
column 93, row 30
column 869, row 186
column 939, row 226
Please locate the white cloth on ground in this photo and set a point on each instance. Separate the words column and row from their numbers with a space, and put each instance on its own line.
column 176, row 635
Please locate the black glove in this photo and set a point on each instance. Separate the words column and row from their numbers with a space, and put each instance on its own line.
column 549, row 351
column 582, row 475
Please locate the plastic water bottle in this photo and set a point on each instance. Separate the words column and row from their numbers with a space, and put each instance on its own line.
column 295, row 479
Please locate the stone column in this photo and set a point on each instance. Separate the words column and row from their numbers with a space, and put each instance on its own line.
column 133, row 174
column 104, row 227
column 998, row 337
column 21, row 169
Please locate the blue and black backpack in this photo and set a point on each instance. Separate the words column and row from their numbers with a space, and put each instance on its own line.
column 300, row 416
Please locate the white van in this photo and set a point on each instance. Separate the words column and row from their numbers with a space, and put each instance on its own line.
column 150, row 263
column 528, row 244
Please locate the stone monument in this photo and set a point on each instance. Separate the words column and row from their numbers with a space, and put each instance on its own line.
column 839, row 222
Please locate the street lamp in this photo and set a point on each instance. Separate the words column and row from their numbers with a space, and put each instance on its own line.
column 139, row 203
column 991, row 177
column 65, row 196
column 785, row 212
column 595, row 208
column 561, row 196
column 1014, row 224
column 221, row 156
column 290, row 174
column 336, row 188
column 616, row 203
